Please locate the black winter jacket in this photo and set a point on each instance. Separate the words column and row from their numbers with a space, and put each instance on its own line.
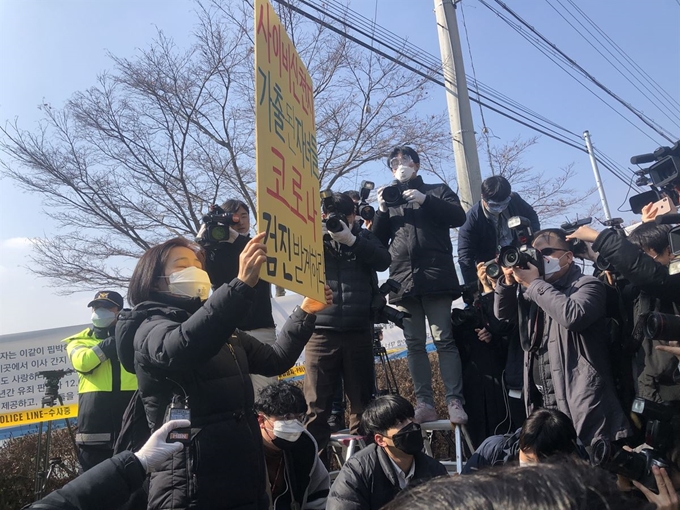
column 477, row 237
column 221, row 264
column 351, row 275
column 367, row 481
column 108, row 485
column 189, row 346
column 658, row 291
column 419, row 242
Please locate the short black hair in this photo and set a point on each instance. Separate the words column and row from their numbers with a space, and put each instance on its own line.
column 558, row 234
column 385, row 412
column 233, row 205
column 403, row 149
column 281, row 399
column 354, row 195
column 343, row 204
column 651, row 236
column 548, row 432
column 496, row 188
column 567, row 485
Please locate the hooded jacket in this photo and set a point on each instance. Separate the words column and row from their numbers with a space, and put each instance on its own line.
column 185, row 348
column 573, row 310
column 419, row 241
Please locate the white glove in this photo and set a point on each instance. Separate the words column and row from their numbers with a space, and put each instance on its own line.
column 413, row 195
column 381, row 201
column 345, row 236
column 156, row 449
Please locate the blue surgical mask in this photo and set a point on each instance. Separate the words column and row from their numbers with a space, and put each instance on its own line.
column 497, row 208
column 103, row 318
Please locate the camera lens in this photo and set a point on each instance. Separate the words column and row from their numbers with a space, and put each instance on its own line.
column 662, row 326
column 219, row 233
column 509, row 257
column 493, row 270
column 367, row 212
column 333, row 223
column 391, row 195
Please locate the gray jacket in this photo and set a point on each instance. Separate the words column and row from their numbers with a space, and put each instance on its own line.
column 577, row 342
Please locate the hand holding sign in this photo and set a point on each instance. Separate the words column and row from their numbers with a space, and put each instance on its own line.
column 251, row 259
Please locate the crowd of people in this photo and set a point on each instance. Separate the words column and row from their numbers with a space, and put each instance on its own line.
column 555, row 357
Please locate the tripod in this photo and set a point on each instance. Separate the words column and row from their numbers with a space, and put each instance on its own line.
column 380, row 352
column 44, row 465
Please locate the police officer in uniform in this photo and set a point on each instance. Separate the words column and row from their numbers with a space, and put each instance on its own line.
column 104, row 388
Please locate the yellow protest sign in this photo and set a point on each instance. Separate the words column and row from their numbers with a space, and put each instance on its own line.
column 288, row 200
column 28, row 416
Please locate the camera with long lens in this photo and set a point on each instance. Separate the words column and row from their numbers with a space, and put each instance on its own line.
column 493, row 269
column 661, row 326
column 333, row 218
column 52, row 378
column 366, row 211
column 382, row 312
column 216, row 226
column 521, row 253
column 662, row 175
column 662, row 423
column 392, row 194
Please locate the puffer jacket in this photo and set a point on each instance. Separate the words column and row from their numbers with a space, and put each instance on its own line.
column 351, row 273
column 190, row 348
column 106, row 486
column 419, row 241
column 367, row 481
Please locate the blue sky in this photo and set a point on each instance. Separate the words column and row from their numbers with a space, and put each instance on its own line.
column 50, row 49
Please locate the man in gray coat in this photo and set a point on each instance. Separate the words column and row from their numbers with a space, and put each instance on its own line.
column 563, row 333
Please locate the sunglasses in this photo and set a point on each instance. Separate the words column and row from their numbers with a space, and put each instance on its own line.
column 546, row 252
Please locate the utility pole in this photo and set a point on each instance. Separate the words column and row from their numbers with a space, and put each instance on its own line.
column 458, row 100
column 596, row 171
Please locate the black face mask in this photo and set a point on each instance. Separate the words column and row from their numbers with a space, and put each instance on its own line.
column 409, row 439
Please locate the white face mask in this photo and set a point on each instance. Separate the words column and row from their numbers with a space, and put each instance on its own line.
column 403, row 173
column 102, row 318
column 551, row 266
column 288, row 430
column 190, row 282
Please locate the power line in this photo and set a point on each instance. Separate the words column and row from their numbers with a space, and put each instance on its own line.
column 649, row 122
column 620, row 68
column 531, row 125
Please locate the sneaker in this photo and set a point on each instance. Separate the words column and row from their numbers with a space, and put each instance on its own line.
column 456, row 412
column 424, row 413
column 336, row 422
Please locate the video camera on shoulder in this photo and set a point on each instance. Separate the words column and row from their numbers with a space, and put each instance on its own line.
column 521, row 253
column 662, row 176
column 660, row 433
column 216, row 226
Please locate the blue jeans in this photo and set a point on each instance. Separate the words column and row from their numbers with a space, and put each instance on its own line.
column 437, row 309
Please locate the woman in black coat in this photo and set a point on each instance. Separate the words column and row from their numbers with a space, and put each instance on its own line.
column 186, row 351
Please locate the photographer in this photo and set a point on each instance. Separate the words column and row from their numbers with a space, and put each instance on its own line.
column 221, row 264
column 104, row 386
column 342, row 343
column 414, row 220
column 561, row 320
column 486, row 225
column 484, row 342
column 643, row 259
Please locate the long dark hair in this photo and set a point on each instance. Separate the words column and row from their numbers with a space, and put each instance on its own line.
column 149, row 269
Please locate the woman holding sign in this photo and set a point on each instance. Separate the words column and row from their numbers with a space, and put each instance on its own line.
column 192, row 363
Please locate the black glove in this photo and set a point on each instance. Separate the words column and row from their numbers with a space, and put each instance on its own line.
column 108, row 347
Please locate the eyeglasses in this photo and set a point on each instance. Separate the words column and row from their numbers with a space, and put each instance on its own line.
column 404, row 159
column 546, row 252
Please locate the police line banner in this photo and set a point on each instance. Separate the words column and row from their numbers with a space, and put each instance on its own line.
column 288, row 200
column 29, row 416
